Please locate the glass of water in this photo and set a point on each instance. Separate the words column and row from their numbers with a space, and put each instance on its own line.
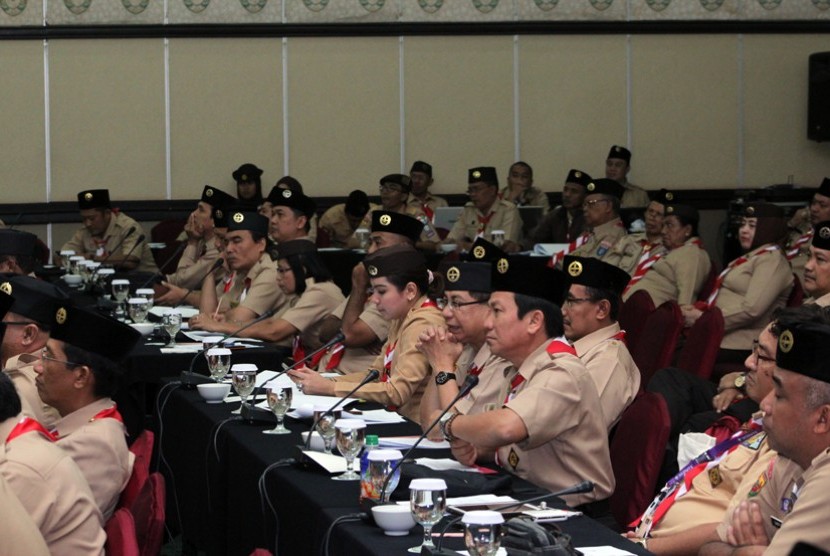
column 350, row 435
column 120, row 293
column 324, row 423
column 243, row 377
column 279, row 400
column 427, row 501
column 138, row 308
column 172, row 322
column 146, row 293
column 219, row 361
column 483, row 530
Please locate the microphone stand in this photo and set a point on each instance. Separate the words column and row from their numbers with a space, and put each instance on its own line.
column 141, row 238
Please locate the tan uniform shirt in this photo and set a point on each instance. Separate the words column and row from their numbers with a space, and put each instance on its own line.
column 410, row 369
column 822, row 301
column 489, row 392
column 197, row 258
column 718, row 489
column 359, row 360
column 750, row 294
column 17, row 529
column 430, row 200
column 634, row 196
column 99, row 447
column 336, row 224
column 262, row 294
column 530, row 197
column 601, row 239
column 679, row 276
column 504, row 216
column 54, row 492
column 806, row 519
column 567, row 439
column 21, row 369
column 307, row 314
column 84, row 244
column 626, row 253
column 615, row 374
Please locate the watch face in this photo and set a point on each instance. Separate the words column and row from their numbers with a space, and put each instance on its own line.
column 442, row 378
column 740, row 381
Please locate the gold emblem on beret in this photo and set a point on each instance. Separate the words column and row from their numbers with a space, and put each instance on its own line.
column 669, row 195
column 786, row 341
column 502, row 265
column 479, row 252
column 578, row 174
column 209, row 192
column 385, row 220
column 60, row 316
column 669, row 210
column 286, row 193
column 750, row 210
column 824, row 232
column 6, row 288
column 372, row 270
column 476, row 174
column 87, row 196
column 591, row 186
column 617, row 149
column 238, row 217
column 575, row 268
column 243, row 177
column 453, row 274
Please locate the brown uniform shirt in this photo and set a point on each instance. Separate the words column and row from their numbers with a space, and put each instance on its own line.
column 530, row 197
column 197, row 258
column 567, row 439
column 307, row 314
column 626, row 253
column 602, row 238
column 489, row 392
column 615, row 374
column 410, row 369
column 336, row 225
column 504, row 216
column 262, row 294
column 21, row 369
column 99, row 447
column 359, row 360
column 84, row 244
column 54, row 492
column 678, row 276
column 17, row 529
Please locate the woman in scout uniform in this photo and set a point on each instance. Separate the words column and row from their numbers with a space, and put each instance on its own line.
column 681, row 272
column 403, row 290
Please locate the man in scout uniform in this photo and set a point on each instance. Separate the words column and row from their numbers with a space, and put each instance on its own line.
column 77, row 375
column 485, row 212
column 394, row 195
column 17, row 529
column 816, row 281
column 788, row 504
column 28, row 323
column 566, row 222
column 548, row 429
column 291, row 214
column 638, row 250
column 589, row 313
column 340, row 221
column 248, row 180
column 617, row 166
column 363, row 326
column 17, row 252
column 108, row 234
column 420, row 199
column 802, row 224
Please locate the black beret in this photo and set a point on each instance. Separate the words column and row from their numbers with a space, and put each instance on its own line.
column 421, row 166
column 605, row 186
column 762, row 209
column 664, row 197
column 34, row 299
column 397, row 223
column 5, row 303
column 394, row 260
column 280, row 197
column 484, row 251
column 578, row 177
column 94, row 198
column 595, row 273
column 805, row 349
column 486, row 174
column 528, row 276
column 824, row 188
column 467, row 276
column 687, row 212
column 251, row 221
column 94, row 332
column 821, row 235
column 216, row 197
column 357, row 203
column 17, row 242
column 620, row 152
column 247, row 173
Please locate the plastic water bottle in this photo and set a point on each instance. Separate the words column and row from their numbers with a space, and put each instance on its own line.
column 370, row 444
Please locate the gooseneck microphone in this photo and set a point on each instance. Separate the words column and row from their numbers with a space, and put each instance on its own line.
column 141, row 238
column 159, row 274
column 216, row 264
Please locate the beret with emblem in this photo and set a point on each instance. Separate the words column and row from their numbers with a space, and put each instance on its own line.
column 295, row 247
column 94, row 198
column 357, row 204
column 296, row 200
column 5, row 303
column 620, row 152
column 245, row 220
column 421, row 166
column 804, row 348
column 396, row 259
column 528, row 276
column 687, row 213
column 397, row 223
column 17, row 242
column 94, row 332
column 247, row 173
column 664, row 197
column 486, row 174
column 34, row 299
column 821, row 235
column 216, row 197
column 467, row 276
column 578, row 177
column 401, row 180
column 762, row 209
column 595, row 273
column 604, row 186
column 824, row 188
column 485, row 251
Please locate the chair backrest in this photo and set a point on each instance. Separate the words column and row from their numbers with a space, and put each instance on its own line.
column 658, row 340
column 148, row 512
column 121, row 539
column 633, row 315
column 637, row 452
column 796, row 298
column 142, row 448
column 702, row 344
column 261, row 552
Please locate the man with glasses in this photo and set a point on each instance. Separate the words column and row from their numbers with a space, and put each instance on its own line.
column 77, row 375
column 27, row 331
column 589, row 313
column 420, row 176
column 485, row 212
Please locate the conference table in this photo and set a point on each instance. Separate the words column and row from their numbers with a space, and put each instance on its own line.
column 214, row 462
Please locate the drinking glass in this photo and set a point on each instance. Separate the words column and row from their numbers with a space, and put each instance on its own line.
column 219, row 361
column 210, row 342
column 65, row 254
column 279, row 400
column 324, row 423
column 74, row 263
column 146, row 293
column 497, row 237
column 102, row 276
column 138, row 308
column 172, row 321
column 350, row 435
column 427, row 501
column 362, row 235
column 483, row 530
column 92, row 268
column 120, row 292
column 243, row 376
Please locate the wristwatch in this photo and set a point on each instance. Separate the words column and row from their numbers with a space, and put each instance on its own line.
column 442, row 423
column 444, row 377
column 740, row 382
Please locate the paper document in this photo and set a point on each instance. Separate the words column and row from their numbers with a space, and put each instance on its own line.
column 445, row 464
column 603, row 551
column 408, row 441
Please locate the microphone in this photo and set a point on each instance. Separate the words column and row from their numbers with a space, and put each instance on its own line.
column 175, row 254
column 114, row 249
column 216, row 264
column 190, row 378
column 130, row 252
column 372, row 375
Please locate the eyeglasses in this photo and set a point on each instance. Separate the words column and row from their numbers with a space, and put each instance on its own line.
column 756, row 351
column 444, row 303
column 476, row 189
column 282, row 270
column 388, row 188
column 592, row 202
column 571, row 301
column 46, row 356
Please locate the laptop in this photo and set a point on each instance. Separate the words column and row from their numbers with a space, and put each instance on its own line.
column 445, row 217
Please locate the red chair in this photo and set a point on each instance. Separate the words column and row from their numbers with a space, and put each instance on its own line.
column 637, row 452
column 143, row 450
column 796, row 298
column 121, row 539
column 633, row 314
column 702, row 344
column 148, row 512
column 658, row 340
column 261, row 552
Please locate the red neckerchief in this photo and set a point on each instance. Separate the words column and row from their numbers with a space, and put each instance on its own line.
column 575, row 244
column 229, row 280
column 336, row 351
column 27, row 424
column 109, row 413
column 794, row 249
column 298, row 353
column 474, row 371
column 514, row 384
column 619, row 336
column 710, row 301
column 560, row 345
column 428, row 211
column 483, row 221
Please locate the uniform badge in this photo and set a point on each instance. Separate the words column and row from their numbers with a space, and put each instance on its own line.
column 578, row 174
column 209, row 192
column 714, row 476
column 824, row 232
column 219, row 214
column 478, row 252
column 453, row 274
column 669, row 210
column 372, row 270
column 6, row 288
column 755, row 442
column 513, row 459
column 476, row 174
column 243, row 177
column 385, row 220
column 238, row 217
column 575, row 268
column 669, row 196
column 786, row 341
column 750, row 211
column 502, row 266
column 87, row 196
column 60, row 316
column 603, row 248
column 591, row 186
column 286, row 193
column 758, row 486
